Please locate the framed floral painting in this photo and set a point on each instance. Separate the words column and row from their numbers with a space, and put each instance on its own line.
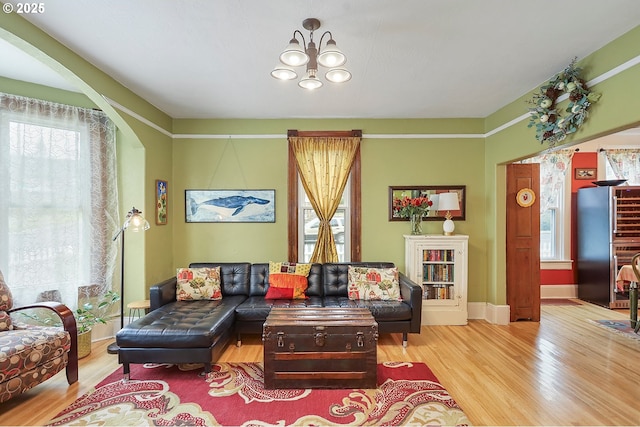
column 161, row 202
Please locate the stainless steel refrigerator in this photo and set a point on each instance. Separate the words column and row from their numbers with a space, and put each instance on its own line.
column 608, row 234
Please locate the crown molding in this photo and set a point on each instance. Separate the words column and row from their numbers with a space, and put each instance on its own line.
column 593, row 82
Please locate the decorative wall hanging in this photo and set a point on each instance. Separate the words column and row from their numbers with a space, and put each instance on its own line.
column 585, row 173
column 414, row 192
column 230, row 205
column 161, row 202
column 526, row 197
column 553, row 125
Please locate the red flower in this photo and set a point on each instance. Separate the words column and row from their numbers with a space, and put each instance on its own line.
column 407, row 206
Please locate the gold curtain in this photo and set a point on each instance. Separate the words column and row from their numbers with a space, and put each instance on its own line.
column 324, row 164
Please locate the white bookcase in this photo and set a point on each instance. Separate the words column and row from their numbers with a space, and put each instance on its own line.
column 439, row 264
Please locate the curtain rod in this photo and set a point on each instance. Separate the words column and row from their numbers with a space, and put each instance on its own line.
column 325, row 133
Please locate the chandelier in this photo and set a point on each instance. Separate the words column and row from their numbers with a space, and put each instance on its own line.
column 295, row 55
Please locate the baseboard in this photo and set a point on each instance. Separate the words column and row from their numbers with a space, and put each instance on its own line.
column 500, row 314
column 496, row 314
column 558, row 291
column 107, row 331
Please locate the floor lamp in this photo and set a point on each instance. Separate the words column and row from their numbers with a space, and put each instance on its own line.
column 134, row 222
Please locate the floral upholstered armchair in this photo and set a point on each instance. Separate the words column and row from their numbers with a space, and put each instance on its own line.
column 29, row 354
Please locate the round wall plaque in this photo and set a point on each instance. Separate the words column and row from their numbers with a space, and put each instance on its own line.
column 525, row 197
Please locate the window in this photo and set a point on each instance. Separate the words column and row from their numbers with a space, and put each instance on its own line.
column 309, row 225
column 59, row 199
column 555, row 192
column 551, row 236
column 298, row 207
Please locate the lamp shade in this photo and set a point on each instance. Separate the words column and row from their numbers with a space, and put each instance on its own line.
column 331, row 56
column 448, row 202
column 282, row 72
column 135, row 221
column 310, row 82
column 293, row 55
column 338, row 75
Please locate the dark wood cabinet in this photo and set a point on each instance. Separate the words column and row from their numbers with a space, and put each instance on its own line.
column 608, row 236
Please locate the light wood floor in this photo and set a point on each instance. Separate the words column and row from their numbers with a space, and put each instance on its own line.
column 561, row 371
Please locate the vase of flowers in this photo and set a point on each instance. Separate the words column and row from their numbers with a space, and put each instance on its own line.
column 414, row 208
column 416, row 224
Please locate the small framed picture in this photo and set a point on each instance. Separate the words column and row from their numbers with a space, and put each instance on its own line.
column 161, row 202
column 585, row 173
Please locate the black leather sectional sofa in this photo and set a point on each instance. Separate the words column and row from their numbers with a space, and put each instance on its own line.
column 198, row 331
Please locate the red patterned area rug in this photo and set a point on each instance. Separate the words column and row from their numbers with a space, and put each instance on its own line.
column 408, row 393
column 619, row 327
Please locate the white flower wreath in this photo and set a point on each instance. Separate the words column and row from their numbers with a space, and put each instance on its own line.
column 551, row 125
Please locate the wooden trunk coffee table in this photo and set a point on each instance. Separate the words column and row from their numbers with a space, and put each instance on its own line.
column 320, row 348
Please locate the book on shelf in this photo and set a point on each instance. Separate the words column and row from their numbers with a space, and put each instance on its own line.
column 437, row 292
column 438, row 273
column 438, row 255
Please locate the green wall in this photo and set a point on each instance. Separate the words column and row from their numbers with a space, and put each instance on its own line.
column 617, row 109
column 234, row 163
column 144, row 152
column 473, row 155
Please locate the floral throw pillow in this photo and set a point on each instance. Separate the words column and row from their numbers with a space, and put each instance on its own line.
column 198, row 284
column 373, row 283
column 289, row 267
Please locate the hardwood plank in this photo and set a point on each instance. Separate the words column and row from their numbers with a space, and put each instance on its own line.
column 563, row 370
column 43, row 402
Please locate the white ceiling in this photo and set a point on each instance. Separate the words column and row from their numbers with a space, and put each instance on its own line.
column 409, row 59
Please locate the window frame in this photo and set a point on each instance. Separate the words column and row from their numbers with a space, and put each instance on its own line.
column 355, row 199
column 562, row 259
column 556, row 231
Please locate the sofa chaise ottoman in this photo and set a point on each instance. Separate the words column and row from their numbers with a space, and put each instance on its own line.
column 198, row 331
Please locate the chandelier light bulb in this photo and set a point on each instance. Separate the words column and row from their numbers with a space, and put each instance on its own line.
column 331, row 56
column 135, row 221
column 282, row 72
column 293, row 55
column 338, row 75
column 310, row 82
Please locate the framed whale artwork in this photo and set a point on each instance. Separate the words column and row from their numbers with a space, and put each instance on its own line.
column 230, row 205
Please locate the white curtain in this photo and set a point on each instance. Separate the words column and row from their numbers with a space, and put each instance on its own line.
column 58, row 200
column 553, row 169
column 625, row 164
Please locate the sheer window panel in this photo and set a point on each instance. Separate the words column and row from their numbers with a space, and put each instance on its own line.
column 59, row 192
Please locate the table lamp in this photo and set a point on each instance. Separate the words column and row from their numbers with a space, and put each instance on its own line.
column 448, row 202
